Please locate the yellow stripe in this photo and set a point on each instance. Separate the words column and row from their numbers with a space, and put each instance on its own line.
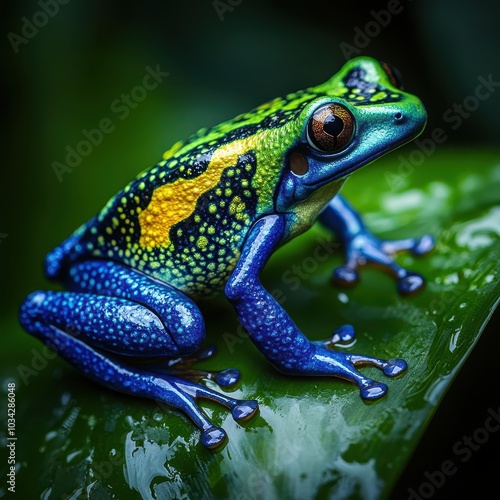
column 172, row 203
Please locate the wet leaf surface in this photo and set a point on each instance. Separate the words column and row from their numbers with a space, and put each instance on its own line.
column 313, row 437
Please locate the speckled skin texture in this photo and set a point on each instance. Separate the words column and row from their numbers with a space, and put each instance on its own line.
column 207, row 218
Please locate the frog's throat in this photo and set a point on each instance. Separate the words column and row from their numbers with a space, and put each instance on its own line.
column 172, row 203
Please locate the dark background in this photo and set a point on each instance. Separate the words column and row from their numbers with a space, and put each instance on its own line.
column 66, row 76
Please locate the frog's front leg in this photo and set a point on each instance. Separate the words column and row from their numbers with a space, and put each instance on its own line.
column 276, row 335
column 114, row 315
column 362, row 247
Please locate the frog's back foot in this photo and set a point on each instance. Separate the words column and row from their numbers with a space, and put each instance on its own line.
column 115, row 310
column 182, row 366
column 380, row 254
column 166, row 390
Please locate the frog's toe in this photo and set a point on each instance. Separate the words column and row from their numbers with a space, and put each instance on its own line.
column 213, row 437
column 371, row 390
column 206, row 353
column 423, row 245
column 345, row 276
column 245, row 410
column 394, row 367
column 344, row 334
column 410, row 283
column 226, row 378
column 416, row 246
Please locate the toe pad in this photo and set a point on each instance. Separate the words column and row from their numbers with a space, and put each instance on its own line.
column 227, row 378
column 373, row 390
column 411, row 283
column 245, row 410
column 345, row 276
column 395, row 367
column 213, row 437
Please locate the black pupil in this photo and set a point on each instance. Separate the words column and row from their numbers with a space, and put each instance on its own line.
column 333, row 125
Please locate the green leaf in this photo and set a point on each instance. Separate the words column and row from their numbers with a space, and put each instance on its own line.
column 314, row 437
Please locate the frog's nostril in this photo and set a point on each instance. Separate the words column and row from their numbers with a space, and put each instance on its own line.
column 398, row 117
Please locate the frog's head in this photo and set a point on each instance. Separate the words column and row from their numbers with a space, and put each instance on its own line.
column 355, row 117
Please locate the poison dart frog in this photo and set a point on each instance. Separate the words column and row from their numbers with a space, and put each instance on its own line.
column 206, row 219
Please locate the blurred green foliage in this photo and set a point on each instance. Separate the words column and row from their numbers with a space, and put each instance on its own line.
column 314, row 435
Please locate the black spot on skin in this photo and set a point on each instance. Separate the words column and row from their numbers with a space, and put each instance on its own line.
column 356, row 79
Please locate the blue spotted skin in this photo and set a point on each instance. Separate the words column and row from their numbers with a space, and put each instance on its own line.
column 206, row 219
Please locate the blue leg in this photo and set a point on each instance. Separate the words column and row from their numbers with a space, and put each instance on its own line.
column 135, row 317
column 275, row 334
column 362, row 247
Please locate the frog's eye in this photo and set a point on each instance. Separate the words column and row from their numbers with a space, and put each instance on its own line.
column 394, row 75
column 330, row 128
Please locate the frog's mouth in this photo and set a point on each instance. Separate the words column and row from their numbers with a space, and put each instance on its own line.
column 365, row 161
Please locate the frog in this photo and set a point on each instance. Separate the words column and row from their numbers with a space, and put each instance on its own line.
column 204, row 220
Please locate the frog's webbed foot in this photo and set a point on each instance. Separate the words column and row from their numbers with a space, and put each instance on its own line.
column 178, row 372
column 186, row 394
column 371, row 389
column 344, row 364
column 364, row 248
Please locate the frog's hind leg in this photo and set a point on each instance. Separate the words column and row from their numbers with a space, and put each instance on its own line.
column 167, row 390
column 133, row 316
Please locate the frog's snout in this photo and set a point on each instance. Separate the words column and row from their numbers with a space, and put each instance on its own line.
column 402, row 118
column 399, row 117
column 410, row 119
